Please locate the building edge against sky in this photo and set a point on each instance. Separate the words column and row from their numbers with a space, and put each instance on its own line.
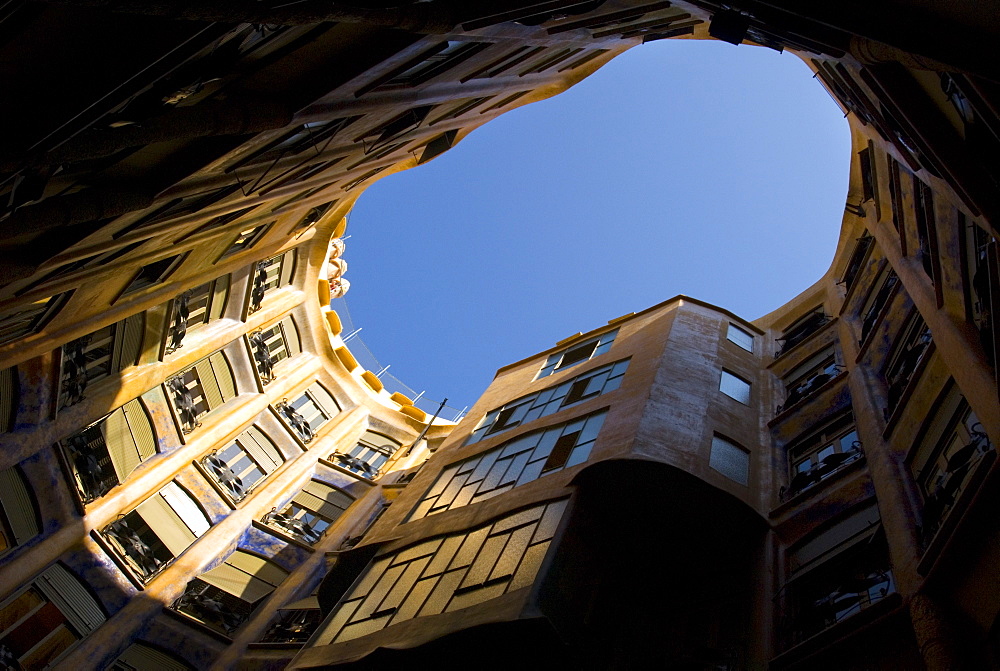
column 198, row 474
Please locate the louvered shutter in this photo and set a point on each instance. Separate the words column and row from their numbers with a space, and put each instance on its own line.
column 261, row 449
column 142, row 657
column 186, row 508
column 209, row 384
column 323, row 500
column 121, row 446
column 142, row 429
column 260, row 568
column 292, row 343
column 166, row 524
column 8, row 398
column 71, row 598
column 128, row 341
column 220, row 293
column 325, row 399
column 238, row 576
column 224, row 376
column 287, row 267
column 18, row 505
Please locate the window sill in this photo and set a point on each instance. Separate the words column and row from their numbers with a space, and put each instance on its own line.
column 786, row 412
column 287, row 537
column 812, row 336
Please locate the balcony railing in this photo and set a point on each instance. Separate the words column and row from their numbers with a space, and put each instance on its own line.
column 91, row 464
column 851, row 596
column 812, row 384
column 827, row 467
column 213, row 607
column 262, row 356
column 359, row 466
column 949, row 484
column 303, row 531
column 907, row 366
column 225, row 476
column 813, row 323
column 871, row 316
column 178, row 322
column 293, row 626
column 133, row 549
column 295, row 420
column 184, row 402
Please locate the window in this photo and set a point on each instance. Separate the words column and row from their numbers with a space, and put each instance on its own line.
column 822, row 454
column 578, row 353
column 540, row 404
column 809, row 376
column 505, row 101
column 316, row 134
column 444, row 574
column 271, row 274
column 433, row 62
column 878, row 298
column 200, row 389
column 272, row 345
column 801, row 329
column 466, row 106
column 438, row 146
column 311, row 512
column 951, row 449
column 908, row 353
column 293, row 624
column 246, row 239
column 158, row 530
column 735, row 387
column 740, row 337
column 395, row 128
column 154, row 273
column 369, row 456
column 19, row 520
column 106, row 452
column 27, row 319
column 511, row 464
column 307, row 413
column 982, row 281
column 44, row 620
column 179, row 207
column 358, row 181
column 857, row 260
column 142, row 657
column 196, row 307
column 238, row 467
column 97, row 356
column 730, row 459
column 551, row 61
column 926, row 230
column 508, row 61
column 9, row 397
column 225, row 597
column 869, row 185
column 836, row 574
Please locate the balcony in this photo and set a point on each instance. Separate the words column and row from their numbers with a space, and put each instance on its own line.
column 801, row 331
column 297, row 528
column 217, row 609
column 875, row 309
column 90, row 462
column 809, row 386
column 130, row 540
column 293, row 626
column 949, row 484
column 826, row 467
column 824, row 603
column 296, row 420
column 903, row 370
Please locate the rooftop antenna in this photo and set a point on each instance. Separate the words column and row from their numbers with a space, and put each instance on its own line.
column 424, row 432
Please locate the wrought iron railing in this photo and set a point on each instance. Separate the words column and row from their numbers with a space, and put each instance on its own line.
column 810, row 386
column 881, row 298
column 225, row 477
column 907, row 366
column 813, row 323
column 301, row 530
column 293, row 626
column 950, row 483
column 91, row 464
column 295, row 420
column 825, row 468
column 133, row 549
column 184, row 403
column 262, row 356
column 213, row 607
column 178, row 322
column 851, row 596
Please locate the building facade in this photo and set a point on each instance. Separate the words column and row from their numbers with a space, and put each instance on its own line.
column 197, row 473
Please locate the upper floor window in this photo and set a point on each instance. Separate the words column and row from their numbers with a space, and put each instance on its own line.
column 529, row 408
column 158, row 530
column 511, row 464
column 801, row 329
column 370, row 454
column 225, row 597
column 246, row 239
column 309, row 411
column 579, row 353
column 436, row 60
column 154, row 273
column 9, row 395
column 97, row 356
column 195, row 307
column 106, row 452
column 730, row 459
column 856, row 263
column 200, row 389
column 270, row 274
column 739, row 337
column 19, row 520
column 876, row 301
column 952, row 448
column 45, row 619
column 27, row 319
column 809, row 376
column 821, row 454
column 272, row 345
column 982, row 276
column 735, row 387
column 239, row 466
column 907, row 354
column 311, row 512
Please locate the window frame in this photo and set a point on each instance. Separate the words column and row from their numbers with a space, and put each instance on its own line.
column 735, row 378
column 599, row 345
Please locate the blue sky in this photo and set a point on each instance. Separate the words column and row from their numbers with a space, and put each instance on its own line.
column 681, row 167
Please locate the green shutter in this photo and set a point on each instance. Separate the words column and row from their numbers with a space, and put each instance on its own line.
column 120, row 443
column 8, row 398
column 220, row 292
column 291, row 336
column 224, row 376
column 142, row 430
column 209, row 384
column 18, row 505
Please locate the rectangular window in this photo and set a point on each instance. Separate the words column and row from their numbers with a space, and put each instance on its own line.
column 194, row 308
column 809, row 376
column 154, row 273
column 200, row 389
column 857, row 261
column 735, row 387
column 269, row 275
column 730, row 459
column 97, row 356
column 822, row 454
column 307, row 413
column 369, row 456
column 803, row 327
column 30, row 318
column 311, row 512
column 433, row 62
column 866, row 159
column 878, row 298
column 272, row 345
column 907, row 355
column 520, row 460
column 547, row 401
column 463, row 107
column 926, row 229
column 238, row 467
column 444, row 574
column 579, row 353
column 246, row 239
column 740, row 337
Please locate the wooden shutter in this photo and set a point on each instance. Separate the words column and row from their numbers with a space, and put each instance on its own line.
column 71, row 598
column 166, row 524
column 8, row 398
column 291, row 336
column 186, row 508
column 128, row 341
column 325, row 399
column 141, row 428
column 220, row 293
column 287, row 267
column 223, row 375
column 142, row 657
column 323, row 499
column 246, row 576
column 262, row 449
column 120, row 443
column 18, row 505
column 209, row 384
